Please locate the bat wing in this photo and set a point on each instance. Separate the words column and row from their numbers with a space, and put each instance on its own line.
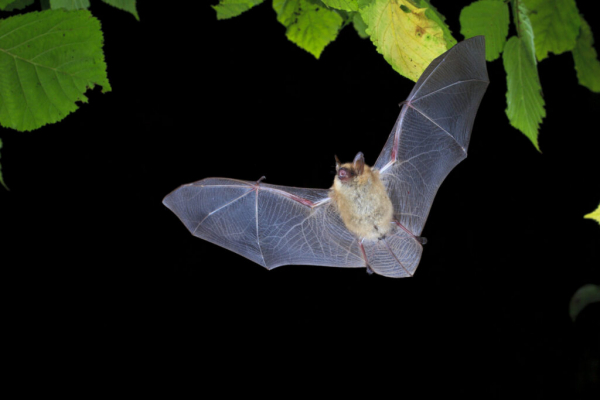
column 432, row 132
column 279, row 225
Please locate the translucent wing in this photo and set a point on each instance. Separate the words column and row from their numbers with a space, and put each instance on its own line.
column 278, row 225
column 432, row 133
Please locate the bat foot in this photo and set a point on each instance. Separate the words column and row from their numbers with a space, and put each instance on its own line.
column 362, row 249
column 422, row 240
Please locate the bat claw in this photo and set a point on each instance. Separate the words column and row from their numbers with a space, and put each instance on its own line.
column 369, row 270
column 421, row 239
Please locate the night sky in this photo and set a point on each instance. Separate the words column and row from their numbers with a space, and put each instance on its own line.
column 100, row 271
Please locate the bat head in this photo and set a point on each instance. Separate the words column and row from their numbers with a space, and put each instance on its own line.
column 349, row 171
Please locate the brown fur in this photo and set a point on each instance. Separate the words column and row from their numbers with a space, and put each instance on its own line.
column 363, row 203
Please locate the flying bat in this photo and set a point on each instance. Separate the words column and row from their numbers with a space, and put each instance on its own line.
column 372, row 217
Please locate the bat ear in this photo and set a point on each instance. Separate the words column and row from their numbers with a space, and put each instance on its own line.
column 359, row 163
column 337, row 163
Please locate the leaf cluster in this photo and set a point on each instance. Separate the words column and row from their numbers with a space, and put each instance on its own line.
column 543, row 27
column 411, row 33
column 49, row 59
column 408, row 33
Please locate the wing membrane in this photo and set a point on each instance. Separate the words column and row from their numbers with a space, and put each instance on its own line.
column 268, row 224
column 432, row 133
column 278, row 225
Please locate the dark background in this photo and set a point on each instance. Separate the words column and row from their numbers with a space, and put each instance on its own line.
column 100, row 273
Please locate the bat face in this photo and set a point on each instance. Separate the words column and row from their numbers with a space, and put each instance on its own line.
column 346, row 173
column 349, row 172
column 372, row 216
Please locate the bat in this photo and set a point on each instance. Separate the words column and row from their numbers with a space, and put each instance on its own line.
column 372, row 217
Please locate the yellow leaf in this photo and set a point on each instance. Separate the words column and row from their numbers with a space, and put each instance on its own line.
column 594, row 215
column 406, row 37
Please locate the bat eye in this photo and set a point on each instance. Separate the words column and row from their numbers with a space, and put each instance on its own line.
column 344, row 174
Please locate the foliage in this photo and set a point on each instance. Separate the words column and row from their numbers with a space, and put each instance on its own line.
column 586, row 59
column 1, row 177
column 69, row 4
column 595, row 215
column 525, row 109
column 232, row 8
column 125, row 5
column 585, row 295
column 543, row 26
column 404, row 35
column 556, row 24
column 10, row 5
column 487, row 18
column 310, row 26
column 411, row 33
column 49, row 59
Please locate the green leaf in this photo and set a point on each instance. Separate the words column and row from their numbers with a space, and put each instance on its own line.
column 360, row 25
column 70, row 4
column 346, row 16
column 586, row 59
column 5, row 3
column 433, row 14
column 1, row 177
column 232, row 8
column 346, row 5
column 524, row 98
column 125, row 5
column 555, row 25
column 525, row 109
column 10, row 5
column 489, row 18
column 595, row 215
column 48, row 60
column 525, row 30
column 587, row 294
column 286, row 11
column 309, row 26
column 404, row 35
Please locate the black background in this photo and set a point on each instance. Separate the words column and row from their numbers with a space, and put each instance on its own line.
column 103, row 275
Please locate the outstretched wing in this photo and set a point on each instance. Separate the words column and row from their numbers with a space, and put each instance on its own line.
column 278, row 225
column 432, row 133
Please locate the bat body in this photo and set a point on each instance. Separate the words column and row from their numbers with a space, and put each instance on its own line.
column 372, row 217
column 362, row 200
